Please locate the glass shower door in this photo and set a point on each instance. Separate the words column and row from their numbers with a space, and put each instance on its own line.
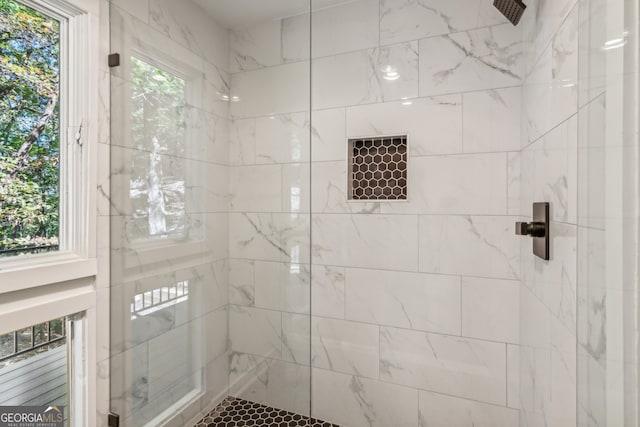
column 168, row 222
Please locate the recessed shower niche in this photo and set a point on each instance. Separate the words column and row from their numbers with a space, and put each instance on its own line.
column 378, row 168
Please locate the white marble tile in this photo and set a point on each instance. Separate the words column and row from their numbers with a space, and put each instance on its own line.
column 210, row 185
column 345, row 27
column 273, row 90
column 404, row 20
column 130, row 35
column 591, row 161
column 214, row 96
column 296, row 33
column 359, row 77
column 536, row 372
column 360, row 402
column 210, row 282
column 492, row 120
column 214, row 132
column 535, row 325
column 270, row 237
column 373, row 241
column 459, row 184
column 554, row 282
column 256, row 46
column 255, row 331
column 514, row 183
column 446, row 364
column 215, row 327
column 296, row 192
column 139, row 9
column 271, row 382
column 347, row 347
column 562, row 409
column 216, row 383
column 328, row 134
column 550, row 91
column 486, row 58
column 190, row 26
column 541, row 23
column 513, row 376
column 433, row 125
column 255, row 188
column 483, row 246
column 422, row 302
column 551, row 172
column 241, row 282
column 103, row 180
column 592, row 293
column 282, row 287
column 491, row 309
column 441, row 410
column 242, row 142
column 296, row 338
column 327, row 291
column 591, row 396
column 283, row 138
column 296, row 237
column 329, row 190
column 592, row 36
column 214, row 236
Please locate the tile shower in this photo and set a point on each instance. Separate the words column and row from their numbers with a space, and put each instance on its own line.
column 427, row 311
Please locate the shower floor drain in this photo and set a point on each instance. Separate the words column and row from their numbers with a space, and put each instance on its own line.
column 233, row 412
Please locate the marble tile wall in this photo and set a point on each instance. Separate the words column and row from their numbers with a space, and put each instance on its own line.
column 563, row 85
column 427, row 312
column 414, row 305
column 176, row 231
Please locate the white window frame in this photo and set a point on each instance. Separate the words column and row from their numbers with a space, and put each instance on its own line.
column 76, row 257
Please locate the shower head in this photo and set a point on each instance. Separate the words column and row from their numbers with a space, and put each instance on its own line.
column 512, row 9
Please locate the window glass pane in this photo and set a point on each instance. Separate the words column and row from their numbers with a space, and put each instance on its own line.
column 29, row 130
column 34, row 373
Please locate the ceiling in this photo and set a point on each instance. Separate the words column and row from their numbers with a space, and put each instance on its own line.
column 239, row 13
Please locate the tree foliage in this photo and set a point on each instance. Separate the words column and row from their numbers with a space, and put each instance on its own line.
column 29, row 127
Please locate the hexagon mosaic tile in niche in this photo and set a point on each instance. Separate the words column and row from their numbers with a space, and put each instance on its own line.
column 234, row 412
column 378, row 168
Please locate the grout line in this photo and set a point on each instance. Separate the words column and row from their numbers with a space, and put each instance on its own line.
column 350, row 267
column 369, row 104
column 506, row 375
column 377, row 325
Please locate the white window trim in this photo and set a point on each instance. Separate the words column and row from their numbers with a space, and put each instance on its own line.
column 76, row 258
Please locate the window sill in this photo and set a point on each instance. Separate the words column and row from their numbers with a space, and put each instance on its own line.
column 61, row 268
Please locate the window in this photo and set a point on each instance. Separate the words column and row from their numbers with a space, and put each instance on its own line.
column 48, row 81
column 30, row 125
column 44, row 184
column 39, row 366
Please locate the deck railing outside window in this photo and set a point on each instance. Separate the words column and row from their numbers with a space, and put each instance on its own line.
column 35, row 337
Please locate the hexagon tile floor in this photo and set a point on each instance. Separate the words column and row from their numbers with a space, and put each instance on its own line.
column 234, row 412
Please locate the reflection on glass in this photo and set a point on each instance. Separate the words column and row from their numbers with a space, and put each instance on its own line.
column 295, row 199
column 158, row 299
column 157, row 186
column 294, row 268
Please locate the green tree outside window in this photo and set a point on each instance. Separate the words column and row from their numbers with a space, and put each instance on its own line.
column 29, row 130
